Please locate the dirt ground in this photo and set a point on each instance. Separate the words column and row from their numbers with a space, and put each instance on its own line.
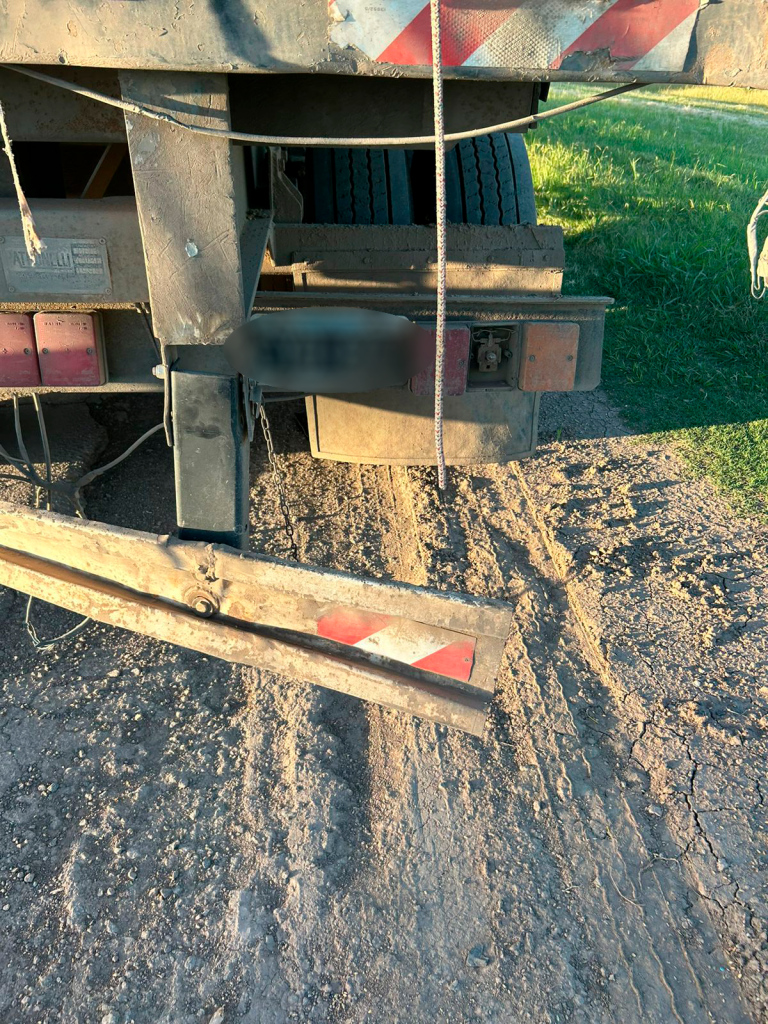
column 182, row 841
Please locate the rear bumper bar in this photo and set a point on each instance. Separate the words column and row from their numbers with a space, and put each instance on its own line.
column 429, row 654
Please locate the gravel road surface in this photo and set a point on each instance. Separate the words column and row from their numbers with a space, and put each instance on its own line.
column 187, row 842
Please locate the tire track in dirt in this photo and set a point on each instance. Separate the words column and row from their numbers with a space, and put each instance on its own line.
column 290, row 854
column 662, row 945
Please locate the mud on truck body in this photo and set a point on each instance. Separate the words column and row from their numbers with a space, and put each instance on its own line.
column 201, row 237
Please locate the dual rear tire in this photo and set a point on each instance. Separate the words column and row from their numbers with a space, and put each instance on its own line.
column 488, row 181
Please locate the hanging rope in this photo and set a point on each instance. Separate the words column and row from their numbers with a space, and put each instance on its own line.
column 32, row 241
column 442, row 256
column 758, row 281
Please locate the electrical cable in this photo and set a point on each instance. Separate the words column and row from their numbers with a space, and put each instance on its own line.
column 20, row 438
column 46, row 448
column 94, row 473
column 131, row 107
column 37, row 643
column 27, row 472
column 143, row 309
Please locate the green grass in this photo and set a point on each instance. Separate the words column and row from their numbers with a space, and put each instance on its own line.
column 655, row 202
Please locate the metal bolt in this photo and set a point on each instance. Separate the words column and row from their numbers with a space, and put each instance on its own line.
column 27, row 351
column 531, row 359
column 45, row 351
column 89, row 351
column 203, row 606
column 569, row 358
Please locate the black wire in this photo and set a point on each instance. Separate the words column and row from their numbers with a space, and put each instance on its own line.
column 26, row 472
column 46, row 448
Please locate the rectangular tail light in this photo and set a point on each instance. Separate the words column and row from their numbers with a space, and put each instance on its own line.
column 456, row 363
column 548, row 356
column 70, row 348
column 18, row 357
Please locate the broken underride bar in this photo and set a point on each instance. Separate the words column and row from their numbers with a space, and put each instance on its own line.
column 434, row 655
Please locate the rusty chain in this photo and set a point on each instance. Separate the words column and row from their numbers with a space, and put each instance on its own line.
column 277, row 476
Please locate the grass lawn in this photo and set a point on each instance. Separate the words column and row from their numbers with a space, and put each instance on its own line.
column 655, row 201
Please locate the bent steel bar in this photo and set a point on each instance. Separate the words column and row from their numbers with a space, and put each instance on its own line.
column 430, row 654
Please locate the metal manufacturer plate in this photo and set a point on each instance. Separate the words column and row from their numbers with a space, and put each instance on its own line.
column 67, row 266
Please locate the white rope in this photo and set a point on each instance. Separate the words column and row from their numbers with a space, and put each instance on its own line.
column 32, row 241
column 758, row 283
column 442, row 256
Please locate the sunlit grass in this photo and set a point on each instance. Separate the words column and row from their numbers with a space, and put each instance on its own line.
column 655, row 202
column 714, row 98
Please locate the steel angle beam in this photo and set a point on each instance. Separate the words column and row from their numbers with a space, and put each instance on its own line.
column 435, row 655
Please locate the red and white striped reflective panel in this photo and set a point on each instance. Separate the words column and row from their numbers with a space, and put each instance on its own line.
column 585, row 35
column 414, row 643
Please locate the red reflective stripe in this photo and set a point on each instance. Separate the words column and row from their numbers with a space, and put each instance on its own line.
column 413, row 45
column 454, row 661
column 349, row 626
column 463, row 31
column 631, row 28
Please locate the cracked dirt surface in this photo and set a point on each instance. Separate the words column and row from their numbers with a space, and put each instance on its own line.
column 182, row 840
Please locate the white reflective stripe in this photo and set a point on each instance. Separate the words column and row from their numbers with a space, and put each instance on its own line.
column 533, row 36
column 670, row 53
column 407, row 641
column 536, row 34
column 371, row 27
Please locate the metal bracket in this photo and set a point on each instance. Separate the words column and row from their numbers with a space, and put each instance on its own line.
column 210, row 453
column 251, row 401
column 287, row 201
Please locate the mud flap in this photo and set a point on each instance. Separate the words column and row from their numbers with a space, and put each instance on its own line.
column 435, row 655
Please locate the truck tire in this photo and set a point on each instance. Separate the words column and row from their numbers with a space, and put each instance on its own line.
column 359, row 186
column 487, row 181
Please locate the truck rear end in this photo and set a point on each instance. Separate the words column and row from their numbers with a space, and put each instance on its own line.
column 196, row 174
